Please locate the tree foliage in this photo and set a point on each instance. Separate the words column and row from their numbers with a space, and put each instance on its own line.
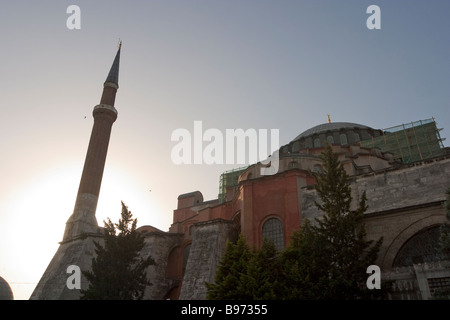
column 262, row 280
column 230, row 272
column 118, row 272
column 245, row 274
column 329, row 258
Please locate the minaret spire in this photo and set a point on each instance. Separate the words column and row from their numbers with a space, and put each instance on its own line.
column 83, row 219
column 113, row 76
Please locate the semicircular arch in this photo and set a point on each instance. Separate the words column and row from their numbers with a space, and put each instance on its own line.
column 407, row 233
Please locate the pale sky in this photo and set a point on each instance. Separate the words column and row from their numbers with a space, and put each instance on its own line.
column 228, row 63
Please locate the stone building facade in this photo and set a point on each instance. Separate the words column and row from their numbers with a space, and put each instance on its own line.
column 405, row 208
column 405, row 174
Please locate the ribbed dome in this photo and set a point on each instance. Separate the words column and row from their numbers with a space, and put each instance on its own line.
column 332, row 126
column 5, row 290
column 341, row 133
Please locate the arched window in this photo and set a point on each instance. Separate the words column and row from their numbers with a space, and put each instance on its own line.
column 316, row 143
column 293, row 164
column 317, row 168
column 343, row 138
column 273, row 230
column 420, row 248
column 330, row 140
column 309, row 143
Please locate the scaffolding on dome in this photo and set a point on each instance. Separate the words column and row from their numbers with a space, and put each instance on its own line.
column 411, row 142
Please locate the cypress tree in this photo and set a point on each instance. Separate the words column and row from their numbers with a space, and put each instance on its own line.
column 329, row 259
column 263, row 280
column 118, row 272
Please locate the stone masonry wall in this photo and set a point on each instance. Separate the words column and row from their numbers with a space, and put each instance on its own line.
column 158, row 245
column 208, row 245
column 414, row 185
column 400, row 204
column 53, row 283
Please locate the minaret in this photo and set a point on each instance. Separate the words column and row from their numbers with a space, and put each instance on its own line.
column 83, row 221
column 82, row 232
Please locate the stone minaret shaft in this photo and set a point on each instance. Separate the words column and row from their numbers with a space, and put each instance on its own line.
column 83, row 219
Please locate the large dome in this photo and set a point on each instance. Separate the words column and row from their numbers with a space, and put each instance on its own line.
column 5, row 290
column 342, row 133
column 331, row 126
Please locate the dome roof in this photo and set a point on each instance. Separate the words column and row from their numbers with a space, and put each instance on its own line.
column 5, row 290
column 340, row 133
column 332, row 126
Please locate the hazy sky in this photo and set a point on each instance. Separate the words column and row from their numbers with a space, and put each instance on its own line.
column 230, row 64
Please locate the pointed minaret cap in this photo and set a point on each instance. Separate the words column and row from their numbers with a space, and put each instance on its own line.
column 113, row 76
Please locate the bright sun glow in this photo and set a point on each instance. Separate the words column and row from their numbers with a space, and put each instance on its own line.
column 41, row 209
column 119, row 185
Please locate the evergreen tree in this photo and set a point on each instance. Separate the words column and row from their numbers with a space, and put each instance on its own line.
column 245, row 274
column 118, row 271
column 304, row 264
column 329, row 259
column 263, row 280
column 229, row 279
